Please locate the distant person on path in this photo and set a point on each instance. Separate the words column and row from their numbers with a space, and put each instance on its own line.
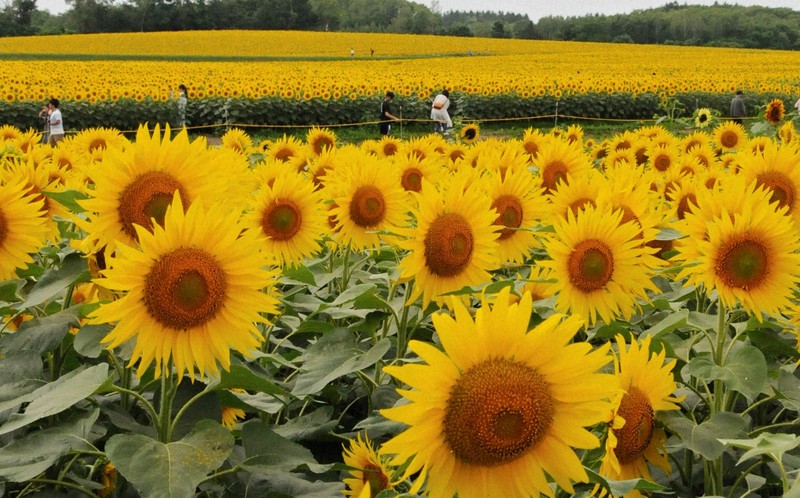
column 183, row 99
column 439, row 114
column 55, row 122
column 371, row 52
column 737, row 107
column 386, row 114
column 352, row 52
column 797, row 105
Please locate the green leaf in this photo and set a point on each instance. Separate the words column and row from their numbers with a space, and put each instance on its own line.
column 745, row 370
column 20, row 373
column 268, row 452
column 172, row 470
column 622, row 488
column 773, row 445
column 670, row 323
column 9, row 291
column 54, row 397
column 40, row 334
column 242, row 377
column 310, row 426
column 704, row 439
column 334, row 355
column 68, row 199
column 32, row 454
column 298, row 275
column 87, row 341
column 54, row 282
column 353, row 293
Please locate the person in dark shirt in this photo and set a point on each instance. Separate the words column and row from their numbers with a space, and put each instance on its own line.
column 737, row 107
column 386, row 114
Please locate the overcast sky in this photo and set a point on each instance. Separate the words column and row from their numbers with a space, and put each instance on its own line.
column 537, row 8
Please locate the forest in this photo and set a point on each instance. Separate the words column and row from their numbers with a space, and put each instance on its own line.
column 721, row 25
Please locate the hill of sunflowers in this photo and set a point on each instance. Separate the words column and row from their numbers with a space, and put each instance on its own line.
column 448, row 315
column 304, row 78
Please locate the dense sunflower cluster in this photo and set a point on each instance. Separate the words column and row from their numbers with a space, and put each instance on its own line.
column 188, row 242
column 498, row 67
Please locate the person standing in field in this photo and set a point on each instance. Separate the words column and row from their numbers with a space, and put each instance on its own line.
column 386, row 115
column 56, row 123
column 439, row 115
column 738, row 110
column 183, row 99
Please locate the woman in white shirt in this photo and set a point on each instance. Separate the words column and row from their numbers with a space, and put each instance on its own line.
column 439, row 114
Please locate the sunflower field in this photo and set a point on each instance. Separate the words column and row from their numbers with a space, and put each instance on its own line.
column 281, row 79
column 447, row 315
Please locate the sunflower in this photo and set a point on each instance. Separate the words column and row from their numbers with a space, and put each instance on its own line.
column 504, row 157
column 577, row 193
column 774, row 111
column 419, row 147
column 39, row 180
column 454, row 241
column 290, row 213
column 703, row 117
column 557, row 159
column 413, row 170
column 283, row 149
column 320, row 139
column 388, row 146
column 574, row 134
column 368, row 469
column 600, row 264
column 501, row 408
column 470, row 133
column 27, row 140
column 368, row 198
column 787, row 132
column 520, row 204
column 193, row 290
column 646, row 384
column 729, row 136
column 693, row 139
column 135, row 187
column 777, row 168
column 22, row 226
column 237, row 140
column 108, row 479
column 749, row 256
column 9, row 133
column 93, row 142
column 628, row 189
column 532, row 140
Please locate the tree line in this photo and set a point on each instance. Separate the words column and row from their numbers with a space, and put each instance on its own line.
column 673, row 23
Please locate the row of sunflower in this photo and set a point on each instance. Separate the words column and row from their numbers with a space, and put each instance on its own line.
column 549, row 314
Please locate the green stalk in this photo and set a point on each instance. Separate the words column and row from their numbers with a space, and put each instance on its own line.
column 165, row 405
column 718, row 405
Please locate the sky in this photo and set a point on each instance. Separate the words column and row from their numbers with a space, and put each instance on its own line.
column 535, row 9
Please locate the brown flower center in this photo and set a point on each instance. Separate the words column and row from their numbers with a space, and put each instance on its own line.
column 368, row 206
column 685, row 205
column 282, row 220
column 147, row 198
column 470, row 133
column 497, row 411
column 97, row 144
column 581, row 203
column 729, row 139
column 389, row 149
column 509, row 214
column 284, row 154
column 412, row 179
column 742, row 264
column 781, row 186
column 553, row 173
column 634, row 437
column 3, row 227
column 448, row 245
column 322, row 143
column 590, row 265
column 662, row 162
column 184, row 289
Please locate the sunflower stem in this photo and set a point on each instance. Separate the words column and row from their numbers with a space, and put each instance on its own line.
column 402, row 333
column 186, row 406
column 718, row 405
column 165, row 405
column 345, row 270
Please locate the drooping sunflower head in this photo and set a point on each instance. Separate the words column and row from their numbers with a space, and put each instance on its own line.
column 470, row 133
column 729, row 136
column 368, row 469
column 237, row 140
column 193, row 290
column 774, row 111
column 787, row 132
column 487, row 414
column 320, row 139
column 634, row 440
